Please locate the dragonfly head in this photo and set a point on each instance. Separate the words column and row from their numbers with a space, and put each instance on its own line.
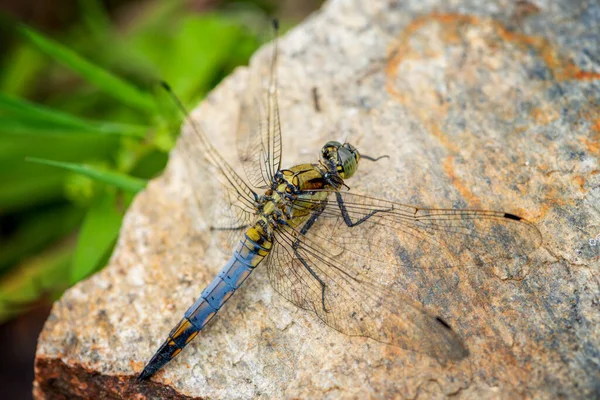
column 341, row 157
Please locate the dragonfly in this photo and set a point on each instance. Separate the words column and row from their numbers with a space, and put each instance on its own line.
column 324, row 245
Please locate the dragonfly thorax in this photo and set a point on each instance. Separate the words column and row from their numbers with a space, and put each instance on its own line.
column 340, row 158
column 295, row 193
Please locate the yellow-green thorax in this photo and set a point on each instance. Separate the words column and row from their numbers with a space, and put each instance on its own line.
column 298, row 191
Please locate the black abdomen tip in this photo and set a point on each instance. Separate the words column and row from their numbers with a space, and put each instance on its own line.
column 144, row 375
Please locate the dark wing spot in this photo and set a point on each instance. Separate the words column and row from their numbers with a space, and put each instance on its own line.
column 512, row 216
column 441, row 321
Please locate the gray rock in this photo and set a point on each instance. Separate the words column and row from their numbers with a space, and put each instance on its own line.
column 492, row 105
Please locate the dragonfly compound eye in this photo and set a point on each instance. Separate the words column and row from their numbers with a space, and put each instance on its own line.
column 353, row 150
column 347, row 161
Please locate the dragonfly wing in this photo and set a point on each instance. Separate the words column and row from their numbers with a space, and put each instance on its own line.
column 417, row 238
column 345, row 274
column 228, row 220
column 227, row 200
column 259, row 129
column 316, row 279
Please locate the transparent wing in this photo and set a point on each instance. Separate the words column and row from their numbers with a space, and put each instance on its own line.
column 259, row 129
column 413, row 238
column 344, row 274
column 227, row 199
column 232, row 200
column 353, row 304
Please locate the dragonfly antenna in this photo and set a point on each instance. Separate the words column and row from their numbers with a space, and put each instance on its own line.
column 373, row 158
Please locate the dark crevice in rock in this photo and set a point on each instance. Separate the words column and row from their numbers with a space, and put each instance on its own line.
column 57, row 380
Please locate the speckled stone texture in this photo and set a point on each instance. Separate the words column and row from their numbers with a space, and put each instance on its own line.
column 492, row 105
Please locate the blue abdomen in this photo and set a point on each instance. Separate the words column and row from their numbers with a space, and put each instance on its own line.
column 251, row 250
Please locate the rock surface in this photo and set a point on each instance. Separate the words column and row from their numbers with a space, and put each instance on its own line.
column 492, row 105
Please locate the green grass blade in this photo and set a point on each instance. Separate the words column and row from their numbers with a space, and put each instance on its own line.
column 119, row 180
column 36, row 230
column 23, row 108
column 20, row 68
column 97, row 237
column 24, row 116
column 21, row 126
column 101, row 78
column 43, row 275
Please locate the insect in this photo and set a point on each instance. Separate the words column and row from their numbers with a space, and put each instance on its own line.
column 323, row 245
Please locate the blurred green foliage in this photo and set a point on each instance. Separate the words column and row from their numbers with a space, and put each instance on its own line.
column 71, row 161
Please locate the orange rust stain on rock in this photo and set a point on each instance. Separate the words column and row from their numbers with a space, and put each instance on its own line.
column 441, row 136
column 543, row 116
column 136, row 365
column 553, row 198
column 592, row 146
column 579, row 181
column 451, row 23
column 451, row 32
column 464, row 191
column 403, row 51
column 593, row 143
column 562, row 69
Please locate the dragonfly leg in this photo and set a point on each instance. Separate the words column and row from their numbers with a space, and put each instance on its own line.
column 346, row 216
column 314, row 274
column 229, row 228
column 313, row 218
